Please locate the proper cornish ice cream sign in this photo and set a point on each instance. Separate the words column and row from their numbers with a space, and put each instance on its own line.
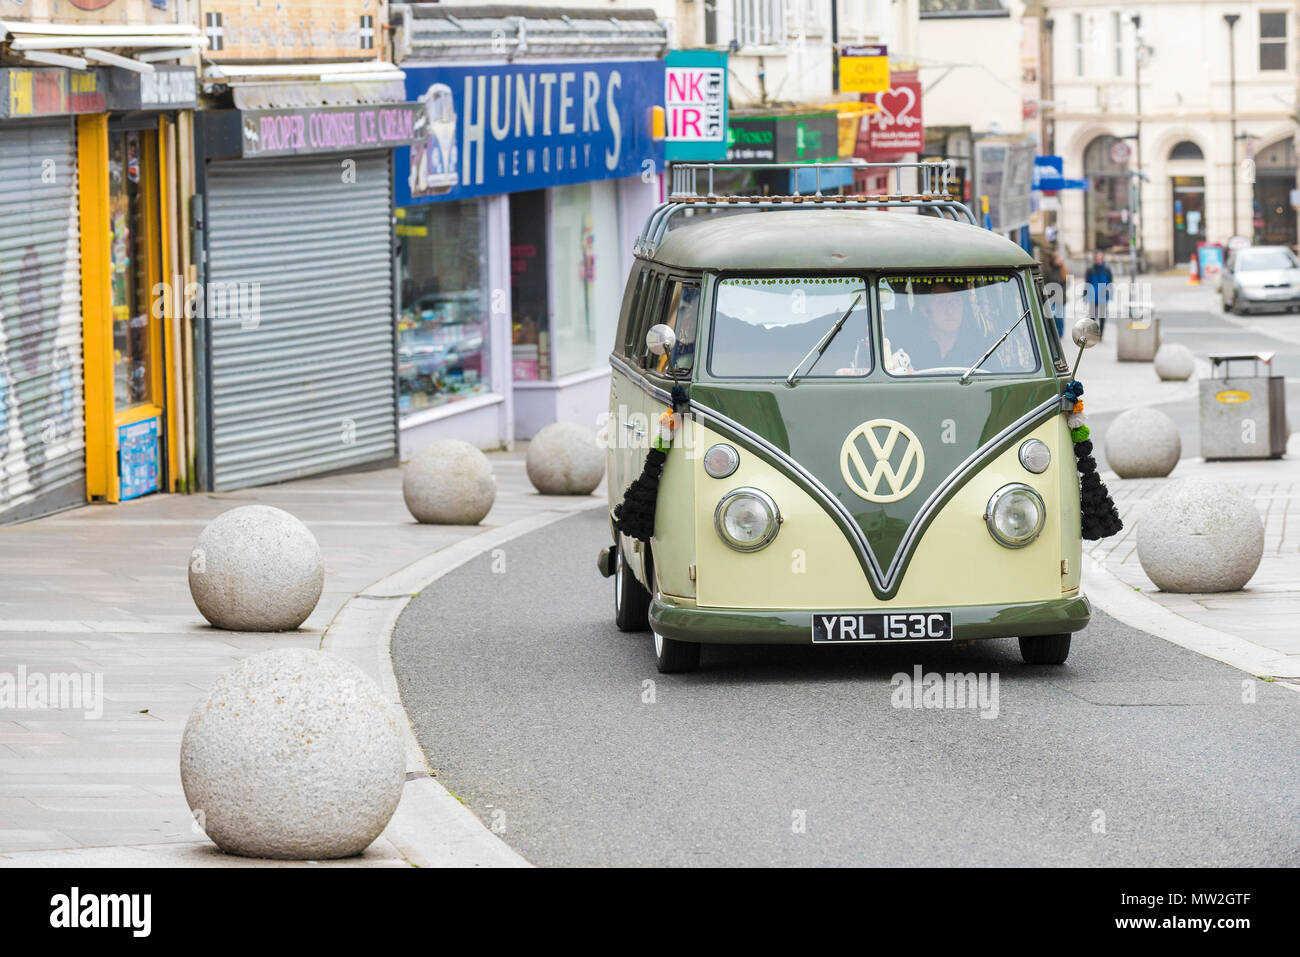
column 504, row 128
column 330, row 129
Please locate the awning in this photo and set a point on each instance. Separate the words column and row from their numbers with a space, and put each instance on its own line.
column 438, row 32
column 259, row 86
column 134, row 47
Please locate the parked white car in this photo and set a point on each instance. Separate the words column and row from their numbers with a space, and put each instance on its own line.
column 1257, row 278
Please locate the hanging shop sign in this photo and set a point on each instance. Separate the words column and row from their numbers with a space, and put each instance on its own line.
column 864, row 69
column 894, row 127
column 50, row 91
column 695, row 102
column 504, row 128
column 1004, row 174
column 167, row 88
column 788, row 138
column 328, row 129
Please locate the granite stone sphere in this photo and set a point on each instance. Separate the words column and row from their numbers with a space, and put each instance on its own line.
column 1143, row 443
column 1199, row 536
column 449, row 482
column 565, row 458
column 1174, row 362
column 293, row 755
column 256, row 568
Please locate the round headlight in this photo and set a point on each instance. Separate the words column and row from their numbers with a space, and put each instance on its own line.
column 747, row 519
column 1015, row 515
column 1035, row 456
column 721, row 460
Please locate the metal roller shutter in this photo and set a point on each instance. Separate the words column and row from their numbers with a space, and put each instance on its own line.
column 306, row 385
column 42, row 403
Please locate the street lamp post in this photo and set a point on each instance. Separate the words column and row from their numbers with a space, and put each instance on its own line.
column 1231, row 20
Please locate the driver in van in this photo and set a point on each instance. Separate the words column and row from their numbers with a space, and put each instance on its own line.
column 942, row 337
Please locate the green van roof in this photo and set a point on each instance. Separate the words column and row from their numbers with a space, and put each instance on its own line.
column 835, row 239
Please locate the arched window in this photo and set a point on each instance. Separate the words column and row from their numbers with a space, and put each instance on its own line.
column 1106, row 203
column 1186, row 150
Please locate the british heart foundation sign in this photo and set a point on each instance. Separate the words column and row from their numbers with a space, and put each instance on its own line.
column 895, row 127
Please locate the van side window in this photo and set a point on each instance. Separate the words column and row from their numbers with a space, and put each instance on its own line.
column 632, row 297
column 648, row 312
column 1053, row 343
column 680, row 312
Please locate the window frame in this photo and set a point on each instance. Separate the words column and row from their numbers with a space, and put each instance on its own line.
column 718, row 278
column 1011, row 273
column 1272, row 42
column 1079, row 59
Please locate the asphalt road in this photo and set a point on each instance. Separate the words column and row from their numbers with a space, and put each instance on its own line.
column 532, row 707
column 1206, row 333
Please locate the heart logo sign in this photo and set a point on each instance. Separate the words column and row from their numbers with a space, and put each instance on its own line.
column 896, row 108
column 895, row 128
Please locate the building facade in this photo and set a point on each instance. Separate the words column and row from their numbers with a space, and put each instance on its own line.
column 1182, row 116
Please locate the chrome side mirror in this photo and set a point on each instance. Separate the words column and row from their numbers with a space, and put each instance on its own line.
column 1086, row 333
column 660, row 339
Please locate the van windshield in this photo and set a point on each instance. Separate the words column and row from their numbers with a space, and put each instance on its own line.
column 943, row 324
column 762, row 326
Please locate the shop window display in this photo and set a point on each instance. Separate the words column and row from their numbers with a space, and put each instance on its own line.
column 129, row 286
column 442, row 328
column 588, row 274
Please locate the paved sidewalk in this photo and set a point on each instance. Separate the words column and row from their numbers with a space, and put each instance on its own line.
column 103, row 589
column 1266, row 611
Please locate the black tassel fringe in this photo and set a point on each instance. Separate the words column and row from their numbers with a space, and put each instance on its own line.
column 635, row 515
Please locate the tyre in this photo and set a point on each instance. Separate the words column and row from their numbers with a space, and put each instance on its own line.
column 673, row 657
column 631, row 600
column 1045, row 649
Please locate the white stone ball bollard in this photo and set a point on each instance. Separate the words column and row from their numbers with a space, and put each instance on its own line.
column 1174, row 362
column 1143, row 443
column 565, row 458
column 256, row 568
column 293, row 755
column 449, row 482
column 1199, row 536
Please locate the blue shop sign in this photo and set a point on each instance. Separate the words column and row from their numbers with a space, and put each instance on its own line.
column 502, row 129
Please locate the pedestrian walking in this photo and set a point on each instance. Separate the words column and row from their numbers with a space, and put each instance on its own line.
column 1099, row 279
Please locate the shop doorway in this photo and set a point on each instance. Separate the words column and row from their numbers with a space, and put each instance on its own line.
column 134, row 270
column 1275, row 179
column 529, row 288
column 1188, row 215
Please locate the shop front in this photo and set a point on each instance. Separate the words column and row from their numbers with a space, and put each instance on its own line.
column 296, row 347
column 515, row 216
column 88, row 230
column 42, row 406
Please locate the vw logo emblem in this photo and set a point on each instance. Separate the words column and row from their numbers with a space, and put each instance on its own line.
column 878, row 439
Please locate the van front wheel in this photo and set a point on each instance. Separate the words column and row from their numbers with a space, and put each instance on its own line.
column 1045, row 649
column 631, row 600
column 674, row 657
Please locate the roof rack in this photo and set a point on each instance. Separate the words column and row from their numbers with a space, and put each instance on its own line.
column 933, row 177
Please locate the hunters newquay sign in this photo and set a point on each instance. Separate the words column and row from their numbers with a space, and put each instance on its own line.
column 329, row 129
column 501, row 128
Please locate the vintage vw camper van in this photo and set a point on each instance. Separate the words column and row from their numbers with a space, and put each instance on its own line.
column 870, row 443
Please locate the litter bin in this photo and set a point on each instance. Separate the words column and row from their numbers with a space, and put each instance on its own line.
column 1139, row 336
column 1243, row 416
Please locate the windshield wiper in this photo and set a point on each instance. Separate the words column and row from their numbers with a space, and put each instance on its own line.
column 993, row 348
column 825, row 341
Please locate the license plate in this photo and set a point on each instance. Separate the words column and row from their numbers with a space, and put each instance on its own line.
column 837, row 629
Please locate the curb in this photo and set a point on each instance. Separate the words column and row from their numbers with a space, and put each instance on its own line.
column 430, row 828
column 1136, row 610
